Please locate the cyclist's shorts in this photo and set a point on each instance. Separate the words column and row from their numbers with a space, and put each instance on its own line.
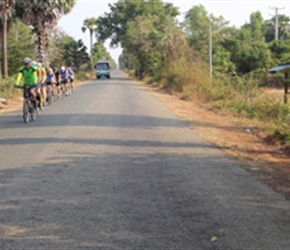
column 64, row 81
column 71, row 79
column 30, row 88
column 57, row 83
column 48, row 83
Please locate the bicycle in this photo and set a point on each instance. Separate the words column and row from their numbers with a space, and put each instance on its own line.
column 50, row 96
column 29, row 106
column 64, row 88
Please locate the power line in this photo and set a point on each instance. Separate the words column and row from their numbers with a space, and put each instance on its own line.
column 276, row 20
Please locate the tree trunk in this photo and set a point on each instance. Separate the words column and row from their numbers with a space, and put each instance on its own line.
column 91, row 41
column 40, row 46
column 91, row 48
column 4, row 45
column 286, row 88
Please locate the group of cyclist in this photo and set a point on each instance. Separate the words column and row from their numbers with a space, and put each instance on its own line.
column 42, row 80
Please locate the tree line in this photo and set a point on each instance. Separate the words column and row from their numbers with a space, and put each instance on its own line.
column 152, row 38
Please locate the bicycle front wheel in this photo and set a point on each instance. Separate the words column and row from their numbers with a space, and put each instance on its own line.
column 33, row 111
column 49, row 98
column 26, row 112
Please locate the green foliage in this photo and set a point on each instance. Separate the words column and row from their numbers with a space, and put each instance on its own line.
column 42, row 15
column 283, row 28
column 280, row 51
column 114, row 24
column 90, row 24
column 222, row 60
column 247, row 52
column 19, row 45
column 6, row 87
column 181, row 75
column 56, row 51
column 75, row 54
column 196, row 28
column 83, row 76
column 100, row 52
column 256, row 25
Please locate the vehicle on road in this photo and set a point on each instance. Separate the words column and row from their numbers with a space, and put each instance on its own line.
column 103, row 69
column 29, row 105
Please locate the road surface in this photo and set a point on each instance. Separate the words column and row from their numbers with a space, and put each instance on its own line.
column 112, row 168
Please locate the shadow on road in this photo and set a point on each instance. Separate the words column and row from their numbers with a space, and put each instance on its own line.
column 139, row 201
column 97, row 142
column 98, row 120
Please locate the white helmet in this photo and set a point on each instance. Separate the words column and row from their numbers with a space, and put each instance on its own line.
column 63, row 68
column 27, row 60
column 39, row 64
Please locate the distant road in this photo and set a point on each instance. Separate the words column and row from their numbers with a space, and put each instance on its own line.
column 112, row 168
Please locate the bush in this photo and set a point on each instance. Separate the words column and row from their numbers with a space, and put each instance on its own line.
column 182, row 74
column 6, row 87
column 83, row 76
column 241, row 95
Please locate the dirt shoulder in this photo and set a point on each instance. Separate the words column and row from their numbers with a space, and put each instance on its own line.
column 239, row 137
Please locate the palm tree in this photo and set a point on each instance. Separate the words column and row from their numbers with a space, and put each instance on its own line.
column 76, row 54
column 90, row 24
column 43, row 15
column 6, row 7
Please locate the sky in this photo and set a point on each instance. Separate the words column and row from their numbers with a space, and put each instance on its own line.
column 237, row 12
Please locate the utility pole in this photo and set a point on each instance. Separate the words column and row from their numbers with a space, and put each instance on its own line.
column 210, row 53
column 276, row 21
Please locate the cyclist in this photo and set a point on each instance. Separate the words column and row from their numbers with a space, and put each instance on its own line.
column 64, row 78
column 50, row 80
column 57, row 81
column 71, row 75
column 29, row 74
column 41, row 81
column 38, row 88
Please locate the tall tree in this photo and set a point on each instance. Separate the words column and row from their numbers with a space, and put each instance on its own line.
column 256, row 25
column 90, row 24
column 58, row 39
column 76, row 54
column 196, row 28
column 43, row 15
column 6, row 7
column 114, row 24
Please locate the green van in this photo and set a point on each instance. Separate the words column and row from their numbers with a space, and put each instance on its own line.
column 103, row 69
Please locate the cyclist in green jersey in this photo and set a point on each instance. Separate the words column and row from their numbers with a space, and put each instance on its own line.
column 29, row 74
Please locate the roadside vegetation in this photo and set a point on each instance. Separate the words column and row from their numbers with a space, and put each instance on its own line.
column 160, row 50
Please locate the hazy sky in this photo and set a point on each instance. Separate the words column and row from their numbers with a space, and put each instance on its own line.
column 235, row 11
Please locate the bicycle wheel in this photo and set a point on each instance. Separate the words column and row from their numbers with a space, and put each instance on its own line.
column 33, row 111
column 26, row 112
column 49, row 97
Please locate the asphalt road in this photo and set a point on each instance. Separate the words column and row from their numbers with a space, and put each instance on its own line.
column 112, row 168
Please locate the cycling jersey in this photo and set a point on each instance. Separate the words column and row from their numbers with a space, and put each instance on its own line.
column 70, row 72
column 50, row 77
column 63, row 74
column 43, row 72
column 56, row 76
column 29, row 75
